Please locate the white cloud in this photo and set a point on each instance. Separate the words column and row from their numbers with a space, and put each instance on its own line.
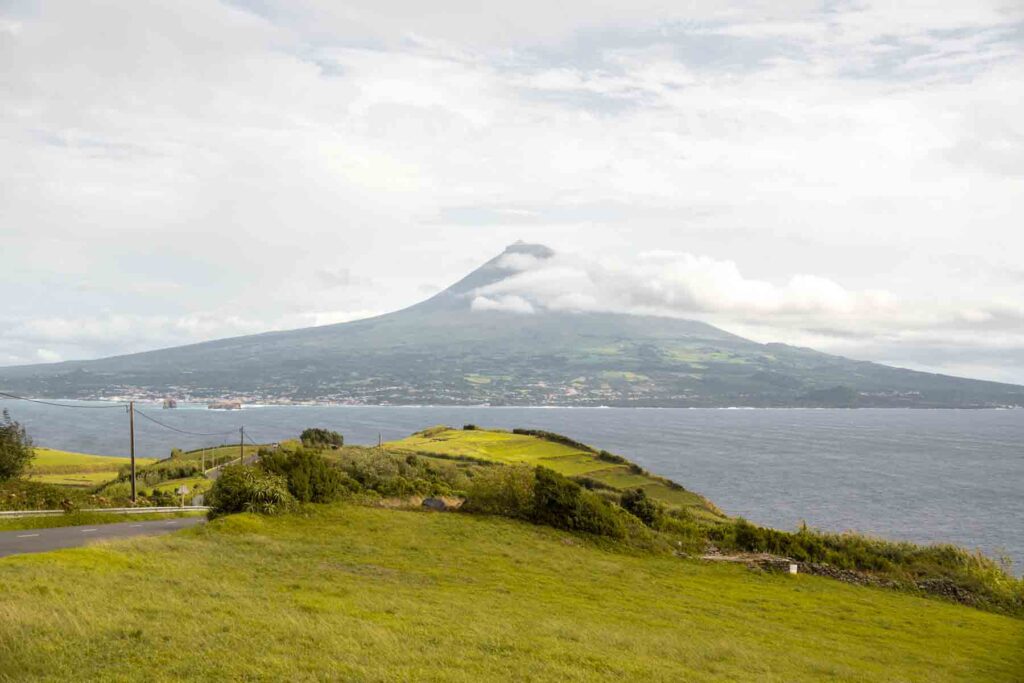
column 504, row 304
column 680, row 284
column 204, row 162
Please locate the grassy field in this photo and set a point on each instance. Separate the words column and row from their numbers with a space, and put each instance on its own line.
column 509, row 448
column 66, row 468
column 368, row 594
column 83, row 518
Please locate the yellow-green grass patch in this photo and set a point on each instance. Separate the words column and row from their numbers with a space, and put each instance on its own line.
column 504, row 447
column 80, row 479
column 365, row 594
column 51, row 461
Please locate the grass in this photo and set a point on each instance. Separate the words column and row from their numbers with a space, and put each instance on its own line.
column 77, row 480
column 513, row 449
column 193, row 483
column 83, row 518
column 82, row 470
column 366, row 594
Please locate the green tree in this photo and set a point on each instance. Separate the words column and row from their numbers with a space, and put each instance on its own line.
column 636, row 502
column 311, row 479
column 315, row 437
column 15, row 448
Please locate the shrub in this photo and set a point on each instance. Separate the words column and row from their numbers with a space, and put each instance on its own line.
column 175, row 468
column 564, row 504
column 594, row 484
column 315, row 437
column 309, row 477
column 469, row 428
column 637, row 503
column 498, row 490
column 248, row 489
column 556, row 438
column 15, row 448
column 392, row 474
column 611, row 457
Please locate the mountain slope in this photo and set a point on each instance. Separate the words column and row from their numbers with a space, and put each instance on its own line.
column 441, row 351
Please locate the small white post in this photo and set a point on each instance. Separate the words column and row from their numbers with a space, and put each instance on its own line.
column 792, row 568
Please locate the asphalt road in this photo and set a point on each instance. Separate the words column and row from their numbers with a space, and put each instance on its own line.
column 42, row 540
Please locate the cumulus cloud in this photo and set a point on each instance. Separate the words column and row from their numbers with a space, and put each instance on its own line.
column 505, row 304
column 670, row 283
column 269, row 162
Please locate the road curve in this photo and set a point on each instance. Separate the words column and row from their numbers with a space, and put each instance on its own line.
column 43, row 540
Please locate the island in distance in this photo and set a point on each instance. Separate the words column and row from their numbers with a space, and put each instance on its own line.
column 445, row 351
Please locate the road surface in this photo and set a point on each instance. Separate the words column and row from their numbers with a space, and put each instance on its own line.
column 42, row 540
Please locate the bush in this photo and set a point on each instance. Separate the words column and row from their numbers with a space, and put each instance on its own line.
column 564, row 504
column 637, row 503
column 163, row 470
column 248, row 489
column 469, row 428
column 611, row 457
column 309, row 477
column 315, row 437
column 499, row 490
column 392, row 474
column 556, row 438
column 15, row 448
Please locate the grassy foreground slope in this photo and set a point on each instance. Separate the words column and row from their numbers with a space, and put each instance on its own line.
column 572, row 459
column 357, row 593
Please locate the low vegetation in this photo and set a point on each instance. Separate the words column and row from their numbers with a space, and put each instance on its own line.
column 15, row 448
column 590, row 467
column 248, row 489
column 315, row 437
column 345, row 592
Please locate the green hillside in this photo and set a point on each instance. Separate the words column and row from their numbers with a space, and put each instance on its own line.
column 366, row 594
column 565, row 456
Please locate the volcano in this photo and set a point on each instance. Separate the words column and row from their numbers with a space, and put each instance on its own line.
column 448, row 351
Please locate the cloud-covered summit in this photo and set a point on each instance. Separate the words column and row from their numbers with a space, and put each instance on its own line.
column 178, row 172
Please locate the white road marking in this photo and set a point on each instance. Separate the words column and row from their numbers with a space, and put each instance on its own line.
column 85, row 531
column 27, row 535
column 135, row 525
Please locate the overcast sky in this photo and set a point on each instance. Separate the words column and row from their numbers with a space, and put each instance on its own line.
column 842, row 175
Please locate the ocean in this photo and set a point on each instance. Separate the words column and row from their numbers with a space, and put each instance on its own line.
column 920, row 475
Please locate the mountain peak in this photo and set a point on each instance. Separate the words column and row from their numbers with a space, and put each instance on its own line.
column 521, row 247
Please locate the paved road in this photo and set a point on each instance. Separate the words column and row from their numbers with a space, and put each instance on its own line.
column 42, row 540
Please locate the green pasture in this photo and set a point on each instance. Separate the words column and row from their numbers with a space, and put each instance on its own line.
column 369, row 594
column 82, row 470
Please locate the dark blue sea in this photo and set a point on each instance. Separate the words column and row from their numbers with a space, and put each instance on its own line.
column 920, row 475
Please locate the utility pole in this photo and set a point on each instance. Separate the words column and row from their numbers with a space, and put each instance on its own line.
column 241, row 445
column 131, row 433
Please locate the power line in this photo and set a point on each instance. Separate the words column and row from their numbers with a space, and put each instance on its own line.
column 182, row 431
column 60, row 405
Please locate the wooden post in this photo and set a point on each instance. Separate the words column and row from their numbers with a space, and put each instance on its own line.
column 241, row 445
column 131, row 433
